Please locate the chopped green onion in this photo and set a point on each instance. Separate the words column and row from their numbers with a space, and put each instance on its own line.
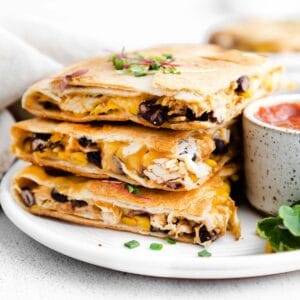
column 156, row 246
column 132, row 244
column 204, row 253
column 170, row 241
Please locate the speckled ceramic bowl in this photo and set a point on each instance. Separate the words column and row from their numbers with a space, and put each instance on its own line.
column 271, row 159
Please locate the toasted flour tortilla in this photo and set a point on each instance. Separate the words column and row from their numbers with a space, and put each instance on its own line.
column 199, row 216
column 212, row 87
column 163, row 159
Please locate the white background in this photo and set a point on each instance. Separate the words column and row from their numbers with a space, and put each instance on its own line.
column 31, row 271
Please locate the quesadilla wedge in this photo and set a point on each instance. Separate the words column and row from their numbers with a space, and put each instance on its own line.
column 178, row 87
column 199, row 216
column 273, row 36
column 162, row 159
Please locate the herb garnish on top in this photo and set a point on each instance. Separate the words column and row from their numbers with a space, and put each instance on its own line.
column 139, row 65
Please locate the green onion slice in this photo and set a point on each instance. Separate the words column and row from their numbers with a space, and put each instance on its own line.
column 156, row 246
column 132, row 244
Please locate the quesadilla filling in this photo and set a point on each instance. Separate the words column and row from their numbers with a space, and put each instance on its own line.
column 193, row 229
column 78, row 102
column 195, row 160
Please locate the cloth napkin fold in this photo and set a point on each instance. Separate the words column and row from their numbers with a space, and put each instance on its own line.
column 31, row 49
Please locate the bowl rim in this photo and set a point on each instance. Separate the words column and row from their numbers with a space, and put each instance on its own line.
column 252, row 108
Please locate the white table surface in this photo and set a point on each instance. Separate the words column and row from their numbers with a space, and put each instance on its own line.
column 29, row 270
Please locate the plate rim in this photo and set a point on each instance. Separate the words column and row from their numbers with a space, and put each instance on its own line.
column 159, row 266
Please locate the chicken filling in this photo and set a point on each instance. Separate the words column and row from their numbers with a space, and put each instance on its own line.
column 194, row 161
column 158, row 110
column 164, row 224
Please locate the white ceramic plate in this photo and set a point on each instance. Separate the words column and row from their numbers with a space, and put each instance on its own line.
column 230, row 258
column 6, row 158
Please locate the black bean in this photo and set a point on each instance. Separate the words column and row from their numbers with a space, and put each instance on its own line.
column 56, row 172
column 190, row 115
column 58, row 197
column 242, row 84
column 94, row 157
column 204, row 234
column 156, row 114
column 194, row 157
column 144, row 107
column 221, row 147
column 85, row 142
column 27, row 197
column 49, row 105
column 78, row 203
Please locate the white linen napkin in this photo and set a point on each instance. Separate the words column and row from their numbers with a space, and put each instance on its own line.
column 31, row 49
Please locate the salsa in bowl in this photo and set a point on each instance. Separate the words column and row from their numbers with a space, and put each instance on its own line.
column 286, row 115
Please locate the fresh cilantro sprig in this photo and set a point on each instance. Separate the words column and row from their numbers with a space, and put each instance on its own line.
column 139, row 65
column 282, row 231
column 132, row 189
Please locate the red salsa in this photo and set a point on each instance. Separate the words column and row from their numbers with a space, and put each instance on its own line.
column 283, row 115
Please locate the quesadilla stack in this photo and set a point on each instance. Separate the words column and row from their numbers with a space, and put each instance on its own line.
column 145, row 142
column 197, row 216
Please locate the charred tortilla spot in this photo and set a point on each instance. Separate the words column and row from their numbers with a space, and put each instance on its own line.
column 156, row 114
column 94, row 157
column 58, row 197
column 27, row 197
column 242, row 84
column 78, row 203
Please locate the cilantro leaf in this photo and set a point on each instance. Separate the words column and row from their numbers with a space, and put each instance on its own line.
column 132, row 189
column 291, row 218
column 279, row 237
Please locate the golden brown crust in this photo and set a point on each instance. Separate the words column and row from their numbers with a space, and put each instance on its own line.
column 204, row 69
column 195, row 205
column 207, row 74
column 162, row 144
